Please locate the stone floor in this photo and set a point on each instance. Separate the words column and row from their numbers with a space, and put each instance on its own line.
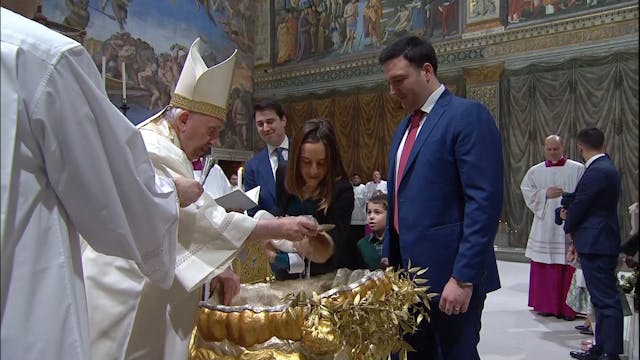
column 512, row 331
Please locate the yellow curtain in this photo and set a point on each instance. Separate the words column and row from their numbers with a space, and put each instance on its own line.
column 364, row 123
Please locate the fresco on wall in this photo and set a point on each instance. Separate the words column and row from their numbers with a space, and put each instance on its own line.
column 326, row 29
column 482, row 10
column 152, row 37
column 521, row 11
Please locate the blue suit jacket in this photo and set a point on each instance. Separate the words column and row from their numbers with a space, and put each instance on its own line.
column 592, row 217
column 450, row 197
column 257, row 172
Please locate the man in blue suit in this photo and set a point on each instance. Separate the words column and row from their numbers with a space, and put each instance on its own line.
column 592, row 221
column 261, row 169
column 445, row 188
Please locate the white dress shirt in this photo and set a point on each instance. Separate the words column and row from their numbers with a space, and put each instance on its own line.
column 426, row 108
column 273, row 155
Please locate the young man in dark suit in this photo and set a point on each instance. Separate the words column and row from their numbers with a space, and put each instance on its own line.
column 445, row 197
column 260, row 170
column 592, row 222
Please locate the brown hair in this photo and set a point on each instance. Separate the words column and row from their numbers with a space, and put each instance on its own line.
column 315, row 131
column 379, row 198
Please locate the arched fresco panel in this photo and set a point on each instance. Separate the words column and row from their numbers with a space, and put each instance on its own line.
column 152, row 38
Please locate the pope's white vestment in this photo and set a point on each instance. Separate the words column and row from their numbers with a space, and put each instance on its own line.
column 131, row 318
column 547, row 242
column 71, row 164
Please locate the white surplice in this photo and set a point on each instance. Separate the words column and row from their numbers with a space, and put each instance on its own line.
column 131, row 318
column 359, row 214
column 372, row 187
column 547, row 242
column 71, row 164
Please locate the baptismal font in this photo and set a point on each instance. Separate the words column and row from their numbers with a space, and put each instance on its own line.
column 342, row 315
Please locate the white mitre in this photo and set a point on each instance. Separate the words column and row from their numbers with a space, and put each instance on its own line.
column 202, row 89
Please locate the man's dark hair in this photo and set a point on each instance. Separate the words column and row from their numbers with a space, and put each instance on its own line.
column 414, row 49
column 268, row 104
column 591, row 138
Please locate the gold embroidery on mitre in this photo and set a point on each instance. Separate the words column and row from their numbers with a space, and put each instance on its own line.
column 199, row 106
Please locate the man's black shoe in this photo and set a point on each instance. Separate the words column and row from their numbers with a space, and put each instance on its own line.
column 587, row 355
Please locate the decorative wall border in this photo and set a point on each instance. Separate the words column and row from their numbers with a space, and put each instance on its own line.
column 481, row 48
column 600, row 32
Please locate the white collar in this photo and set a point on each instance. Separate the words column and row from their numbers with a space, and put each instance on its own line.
column 592, row 159
column 285, row 145
column 431, row 101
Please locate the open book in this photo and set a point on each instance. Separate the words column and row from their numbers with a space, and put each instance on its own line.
column 239, row 200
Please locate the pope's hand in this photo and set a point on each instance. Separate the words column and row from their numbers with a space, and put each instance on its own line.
column 229, row 285
column 296, row 228
column 318, row 248
column 188, row 190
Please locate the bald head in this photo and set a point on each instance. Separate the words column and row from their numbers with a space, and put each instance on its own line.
column 553, row 148
column 555, row 138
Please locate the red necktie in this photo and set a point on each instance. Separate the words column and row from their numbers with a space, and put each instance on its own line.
column 404, row 157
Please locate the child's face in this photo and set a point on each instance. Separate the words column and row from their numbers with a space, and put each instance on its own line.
column 377, row 217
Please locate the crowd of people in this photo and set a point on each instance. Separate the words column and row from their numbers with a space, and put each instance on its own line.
column 109, row 221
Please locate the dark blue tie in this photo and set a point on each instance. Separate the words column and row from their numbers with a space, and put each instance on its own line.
column 281, row 159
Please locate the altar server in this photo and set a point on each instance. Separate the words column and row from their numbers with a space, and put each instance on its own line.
column 542, row 188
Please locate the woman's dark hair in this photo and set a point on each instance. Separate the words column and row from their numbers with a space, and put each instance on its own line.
column 315, row 131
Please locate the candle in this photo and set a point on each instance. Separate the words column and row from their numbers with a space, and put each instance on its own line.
column 104, row 72
column 124, row 84
column 240, row 170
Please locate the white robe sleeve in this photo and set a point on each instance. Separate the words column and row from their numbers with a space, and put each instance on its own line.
column 98, row 166
column 534, row 196
column 209, row 238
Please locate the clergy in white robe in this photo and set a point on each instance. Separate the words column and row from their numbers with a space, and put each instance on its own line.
column 71, row 164
column 376, row 184
column 542, row 188
column 131, row 318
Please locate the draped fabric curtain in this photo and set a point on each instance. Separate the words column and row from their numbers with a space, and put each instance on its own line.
column 364, row 123
column 563, row 98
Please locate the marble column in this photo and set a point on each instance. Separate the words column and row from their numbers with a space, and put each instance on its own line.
column 483, row 84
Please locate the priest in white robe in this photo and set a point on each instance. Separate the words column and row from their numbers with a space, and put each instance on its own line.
column 542, row 188
column 71, row 164
column 131, row 318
